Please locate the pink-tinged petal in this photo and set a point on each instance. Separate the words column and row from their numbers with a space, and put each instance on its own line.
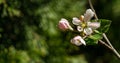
column 64, row 25
column 76, row 21
column 78, row 40
column 88, row 15
column 79, row 28
column 94, row 25
column 88, row 31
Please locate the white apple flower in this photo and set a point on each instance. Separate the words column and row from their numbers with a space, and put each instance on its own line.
column 84, row 25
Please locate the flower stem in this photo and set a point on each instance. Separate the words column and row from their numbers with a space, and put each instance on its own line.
column 102, row 42
column 112, row 49
column 109, row 45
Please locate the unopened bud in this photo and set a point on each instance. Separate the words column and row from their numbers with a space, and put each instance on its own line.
column 78, row 40
column 64, row 25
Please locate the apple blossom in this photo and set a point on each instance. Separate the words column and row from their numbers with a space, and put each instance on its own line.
column 84, row 25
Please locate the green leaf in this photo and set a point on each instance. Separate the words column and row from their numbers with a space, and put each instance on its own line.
column 90, row 41
column 96, row 36
column 104, row 25
column 93, row 39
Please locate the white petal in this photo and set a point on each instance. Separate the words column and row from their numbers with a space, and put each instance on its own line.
column 94, row 25
column 77, row 43
column 78, row 40
column 79, row 28
column 88, row 31
column 64, row 20
column 82, row 41
column 88, row 15
column 76, row 21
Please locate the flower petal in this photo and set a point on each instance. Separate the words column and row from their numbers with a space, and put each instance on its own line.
column 78, row 40
column 88, row 15
column 76, row 21
column 94, row 25
column 79, row 28
column 88, row 31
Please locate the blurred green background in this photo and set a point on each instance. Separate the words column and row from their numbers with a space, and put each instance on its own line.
column 29, row 32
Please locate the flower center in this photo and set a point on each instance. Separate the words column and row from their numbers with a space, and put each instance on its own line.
column 84, row 25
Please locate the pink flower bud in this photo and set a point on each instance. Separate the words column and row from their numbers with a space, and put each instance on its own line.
column 64, row 25
column 78, row 40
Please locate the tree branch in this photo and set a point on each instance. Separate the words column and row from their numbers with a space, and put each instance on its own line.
column 112, row 49
column 104, row 35
column 102, row 42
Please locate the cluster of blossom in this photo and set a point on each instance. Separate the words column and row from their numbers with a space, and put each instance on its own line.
column 83, row 25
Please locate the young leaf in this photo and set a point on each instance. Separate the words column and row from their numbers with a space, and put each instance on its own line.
column 104, row 25
column 96, row 36
column 90, row 41
column 93, row 39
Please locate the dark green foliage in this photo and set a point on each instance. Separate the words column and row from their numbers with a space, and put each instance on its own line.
column 29, row 32
column 93, row 39
column 105, row 25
